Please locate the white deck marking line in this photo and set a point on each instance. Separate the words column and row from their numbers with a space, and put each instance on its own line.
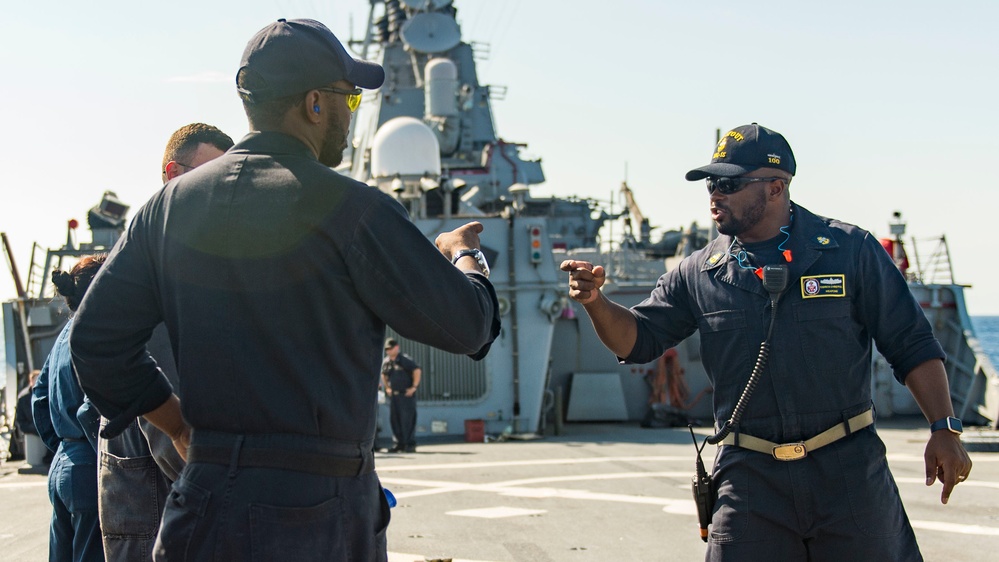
column 509, row 488
column 459, row 465
column 975, row 458
column 12, row 485
column 400, row 557
column 958, row 528
column 441, row 486
column 608, row 476
column 972, row 482
column 497, row 512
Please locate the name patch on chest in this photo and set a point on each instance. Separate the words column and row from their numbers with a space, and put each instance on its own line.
column 830, row 285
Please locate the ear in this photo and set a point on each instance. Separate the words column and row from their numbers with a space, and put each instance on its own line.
column 777, row 188
column 172, row 170
column 313, row 104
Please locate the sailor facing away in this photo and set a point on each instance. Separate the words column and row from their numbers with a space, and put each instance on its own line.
column 67, row 424
column 270, row 271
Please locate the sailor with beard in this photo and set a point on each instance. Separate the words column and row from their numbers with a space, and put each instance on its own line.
column 276, row 277
column 801, row 473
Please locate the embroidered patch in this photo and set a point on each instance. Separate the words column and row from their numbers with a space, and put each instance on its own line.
column 815, row 286
column 822, row 240
column 715, row 257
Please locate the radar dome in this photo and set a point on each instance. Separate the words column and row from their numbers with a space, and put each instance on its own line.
column 405, row 146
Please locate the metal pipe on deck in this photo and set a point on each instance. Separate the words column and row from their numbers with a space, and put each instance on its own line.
column 515, row 347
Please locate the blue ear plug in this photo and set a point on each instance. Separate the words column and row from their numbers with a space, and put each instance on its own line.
column 315, row 108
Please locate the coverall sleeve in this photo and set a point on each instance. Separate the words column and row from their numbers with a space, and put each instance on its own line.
column 40, row 409
column 90, row 421
column 892, row 316
column 664, row 319
column 410, row 285
column 112, row 326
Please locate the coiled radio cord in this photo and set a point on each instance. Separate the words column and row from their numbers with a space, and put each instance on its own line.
column 754, row 379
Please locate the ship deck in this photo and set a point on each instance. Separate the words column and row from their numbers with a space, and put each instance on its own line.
column 596, row 492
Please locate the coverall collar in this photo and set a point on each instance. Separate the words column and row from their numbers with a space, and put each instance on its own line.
column 810, row 236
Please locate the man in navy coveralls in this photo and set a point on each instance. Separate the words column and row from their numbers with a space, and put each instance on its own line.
column 804, row 475
column 270, row 271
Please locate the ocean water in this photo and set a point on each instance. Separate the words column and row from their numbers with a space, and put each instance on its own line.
column 987, row 330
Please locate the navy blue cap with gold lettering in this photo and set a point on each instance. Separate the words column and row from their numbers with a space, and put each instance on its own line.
column 744, row 149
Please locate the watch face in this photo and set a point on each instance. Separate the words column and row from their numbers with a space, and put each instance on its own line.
column 950, row 423
column 955, row 425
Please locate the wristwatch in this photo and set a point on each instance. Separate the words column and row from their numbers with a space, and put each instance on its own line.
column 475, row 253
column 949, row 423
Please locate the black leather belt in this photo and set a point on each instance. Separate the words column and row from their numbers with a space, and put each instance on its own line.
column 243, row 452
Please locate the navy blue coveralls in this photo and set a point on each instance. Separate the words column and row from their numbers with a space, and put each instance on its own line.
column 399, row 373
column 839, row 502
column 270, row 271
column 67, row 424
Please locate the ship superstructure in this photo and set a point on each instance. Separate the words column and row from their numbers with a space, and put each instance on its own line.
column 427, row 137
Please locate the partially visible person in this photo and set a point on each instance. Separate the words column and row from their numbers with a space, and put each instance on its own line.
column 23, row 423
column 270, row 271
column 138, row 467
column 68, row 426
column 23, row 419
column 191, row 146
column 401, row 378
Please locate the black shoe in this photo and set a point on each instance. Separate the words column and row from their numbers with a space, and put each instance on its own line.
column 411, row 449
column 396, row 449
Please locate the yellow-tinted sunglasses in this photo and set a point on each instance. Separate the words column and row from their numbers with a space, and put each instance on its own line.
column 353, row 96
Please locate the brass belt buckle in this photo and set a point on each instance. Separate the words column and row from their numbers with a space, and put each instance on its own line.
column 790, row 451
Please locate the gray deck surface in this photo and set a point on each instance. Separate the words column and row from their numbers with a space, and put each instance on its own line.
column 605, row 492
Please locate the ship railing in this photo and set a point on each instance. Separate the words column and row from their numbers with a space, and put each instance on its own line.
column 36, row 272
column 931, row 257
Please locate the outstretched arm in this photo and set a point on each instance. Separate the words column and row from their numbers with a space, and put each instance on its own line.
column 946, row 459
column 614, row 324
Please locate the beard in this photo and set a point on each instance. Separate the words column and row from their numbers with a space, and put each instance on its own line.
column 334, row 141
column 751, row 216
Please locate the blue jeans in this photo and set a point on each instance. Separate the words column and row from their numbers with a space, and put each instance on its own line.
column 75, row 533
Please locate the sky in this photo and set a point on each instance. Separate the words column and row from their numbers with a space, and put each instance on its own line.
column 888, row 106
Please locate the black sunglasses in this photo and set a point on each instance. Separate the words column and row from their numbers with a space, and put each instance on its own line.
column 728, row 186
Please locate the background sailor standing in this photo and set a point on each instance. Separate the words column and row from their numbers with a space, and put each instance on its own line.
column 834, row 498
column 401, row 377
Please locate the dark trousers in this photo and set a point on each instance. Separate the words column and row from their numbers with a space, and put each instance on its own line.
column 838, row 503
column 403, row 418
column 75, row 533
column 234, row 512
